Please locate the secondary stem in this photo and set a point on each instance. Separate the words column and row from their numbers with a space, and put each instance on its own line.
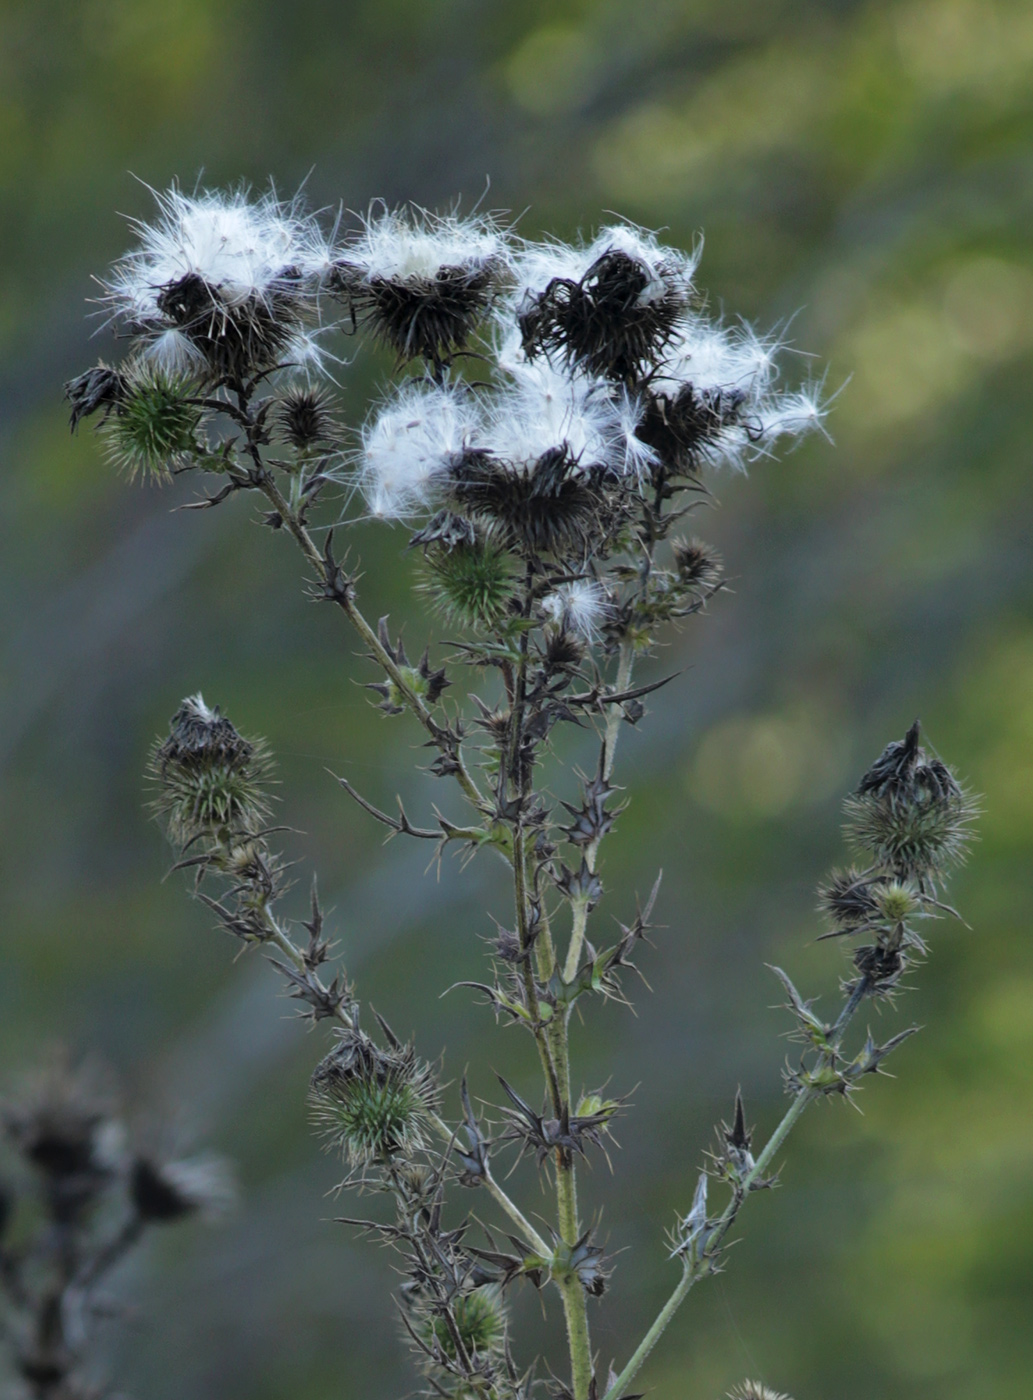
column 697, row 1267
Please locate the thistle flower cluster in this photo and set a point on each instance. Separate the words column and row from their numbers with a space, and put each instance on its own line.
column 557, row 410
column 77, row 1192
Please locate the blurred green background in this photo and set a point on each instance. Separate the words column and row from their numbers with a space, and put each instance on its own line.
column 862, row 165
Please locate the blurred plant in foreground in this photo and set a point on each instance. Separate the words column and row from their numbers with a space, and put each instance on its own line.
column 76, row 1195
column 557, row 410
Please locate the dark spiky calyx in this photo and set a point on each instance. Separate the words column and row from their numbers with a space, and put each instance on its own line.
column 683, row 428
column 554, row 508
column 305, row 417
column 234, row 338
column 430, row 318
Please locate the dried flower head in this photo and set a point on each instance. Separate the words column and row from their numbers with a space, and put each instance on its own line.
column 304, row 416
column 210, row 779
column 911, row 813
column 166, row 1191
column 610, row 307
column 370, row 1104
column 422, row 281
column 63, row 1123
column 218, row 282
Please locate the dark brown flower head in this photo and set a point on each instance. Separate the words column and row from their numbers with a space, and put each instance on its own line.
column 422, row 282
column 911, row 813
column 613, row 321
column 210, row 778
column 698, row 565
column 685, row 428
column 63, row 1124
column 554, row 508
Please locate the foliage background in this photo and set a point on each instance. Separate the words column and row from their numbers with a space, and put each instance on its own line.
column 863, row 164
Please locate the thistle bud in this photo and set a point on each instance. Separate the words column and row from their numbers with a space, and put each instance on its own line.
column 304, row 417
column 469, row 581
column 210, row 779
column 698, row 565
column 369, row 1104
column 479, row 1320
column 911, row 813
column 153, row 428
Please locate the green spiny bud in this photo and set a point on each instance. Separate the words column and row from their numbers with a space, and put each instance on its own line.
column 370, row 1104
column 480, row 1321
column 470, row 582
column 154, row 426
column 210, row 779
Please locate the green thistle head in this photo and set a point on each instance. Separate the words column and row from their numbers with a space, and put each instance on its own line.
column 480, row 1321
column 210, row 779
column 154, row 426
column 918, row 833
column 469, row 581
column 372, row 1105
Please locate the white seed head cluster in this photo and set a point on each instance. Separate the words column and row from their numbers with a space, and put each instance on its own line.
column 245, row 250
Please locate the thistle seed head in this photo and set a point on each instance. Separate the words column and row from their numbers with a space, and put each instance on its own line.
column 610, row 308
column 163, row 1192
column 218, row 282
column 422, row 281
column 372, row 1105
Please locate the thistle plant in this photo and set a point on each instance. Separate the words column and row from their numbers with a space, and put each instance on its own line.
column 77, row 1193
column 557, row 413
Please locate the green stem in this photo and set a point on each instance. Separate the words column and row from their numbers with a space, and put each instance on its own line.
column 696, row 1268
column 625, row 667
column 700, row 1265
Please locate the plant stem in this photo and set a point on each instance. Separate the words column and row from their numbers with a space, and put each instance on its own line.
column 346, row 602
column 625, row 667
column 700, row 1265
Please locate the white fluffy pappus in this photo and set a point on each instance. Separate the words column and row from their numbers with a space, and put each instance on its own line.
column 542, row 409
column 403, row 245
column 581, row 606
column 715, row 357
column 243, row 248
column 410, row 443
